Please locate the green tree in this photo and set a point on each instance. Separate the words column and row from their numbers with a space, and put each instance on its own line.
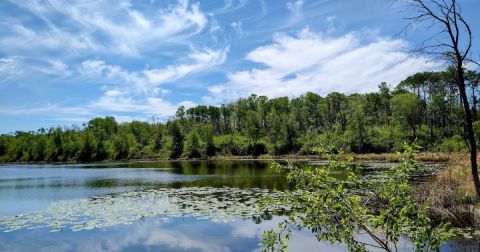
column 406, row 111
column 121, row 144
column 253, row 130
column 207, row 134
column 88, row 150
column 275, row 131
column 158, row 142
column 177, row 140
column 358, row 124
column 290, row 136
column 192, row 145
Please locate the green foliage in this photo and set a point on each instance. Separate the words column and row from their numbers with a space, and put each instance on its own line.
column 406, row 109
column 123, row 144
column 232, row 144
column 453, row 144
column 341, row 210
column 192, row 145
column 158, row 138
column 207, row 136
column 177, row 139
column 88, row 151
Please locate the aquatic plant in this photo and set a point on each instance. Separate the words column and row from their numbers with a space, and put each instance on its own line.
column 217, row 204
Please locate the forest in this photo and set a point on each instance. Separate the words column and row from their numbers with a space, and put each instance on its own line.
column 425, row 108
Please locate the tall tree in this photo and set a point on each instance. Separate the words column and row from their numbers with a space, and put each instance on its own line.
column 177, row 139
column 192, row 146
column 406, row 110
column 452, row 41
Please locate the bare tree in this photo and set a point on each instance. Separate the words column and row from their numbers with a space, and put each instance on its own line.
column 452, row 41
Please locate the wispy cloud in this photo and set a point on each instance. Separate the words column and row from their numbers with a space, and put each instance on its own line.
column 9, row 69
column 100, row 71
column 197, row 61
column 117, row 104
column 145, row 80
column 295, row 8
column 238, row 28
column 126, row 92
column 100, row 26
column 18, row 69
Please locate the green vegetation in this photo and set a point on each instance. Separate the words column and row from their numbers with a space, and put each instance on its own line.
column 424, row 108
column 361, row 214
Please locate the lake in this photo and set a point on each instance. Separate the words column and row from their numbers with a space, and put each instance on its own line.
column 144, row 206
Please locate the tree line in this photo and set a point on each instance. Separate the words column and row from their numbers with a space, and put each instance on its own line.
column 424, row 108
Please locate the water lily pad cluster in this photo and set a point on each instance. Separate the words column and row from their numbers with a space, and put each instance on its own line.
column 217, row 204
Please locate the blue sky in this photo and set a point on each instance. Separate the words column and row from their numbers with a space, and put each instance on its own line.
column 64, row 62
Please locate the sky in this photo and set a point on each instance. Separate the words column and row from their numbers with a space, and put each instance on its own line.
column 65, row 62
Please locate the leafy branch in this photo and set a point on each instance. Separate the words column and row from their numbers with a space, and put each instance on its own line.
column 342, row 210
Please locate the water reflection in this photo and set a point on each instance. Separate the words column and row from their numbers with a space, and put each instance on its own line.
column 33, row 187
column 174, row 234
column 154, row 234
column 145, row 206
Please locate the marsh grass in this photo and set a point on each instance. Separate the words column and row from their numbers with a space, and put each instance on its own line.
column 451, row 195
column 393, row 157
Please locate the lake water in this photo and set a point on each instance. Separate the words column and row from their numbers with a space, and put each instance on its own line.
column 144, row 206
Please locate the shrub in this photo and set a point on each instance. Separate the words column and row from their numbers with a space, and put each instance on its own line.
column 231, row 144
column 338, row 211
column 453, row 144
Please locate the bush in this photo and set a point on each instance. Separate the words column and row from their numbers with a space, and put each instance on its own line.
column 453, row 144
column 236, row 145
column 331, row 141
column 257, row 149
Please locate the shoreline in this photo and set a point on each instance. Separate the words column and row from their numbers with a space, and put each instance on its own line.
column 376, row 157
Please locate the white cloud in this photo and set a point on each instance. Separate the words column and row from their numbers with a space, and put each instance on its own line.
column 238, row 27
column 51, row 67
column 64, row 31
column 22, row 39
column 15, row 68
column 147, row 80
column 59, row 66
column 101, row 71
column 295, row 8
column 124, row 93
column 68, row 115
column 137, row 91
column 100, row 26
column 199, row 61
column 113, row 102
column 9, row 69
column 187, row 104
column 315, row 62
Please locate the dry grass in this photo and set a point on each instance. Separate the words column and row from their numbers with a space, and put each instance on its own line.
column 392, row 157
column 452, row 195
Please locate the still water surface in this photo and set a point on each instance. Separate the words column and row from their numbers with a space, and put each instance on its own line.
column 143, row 206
